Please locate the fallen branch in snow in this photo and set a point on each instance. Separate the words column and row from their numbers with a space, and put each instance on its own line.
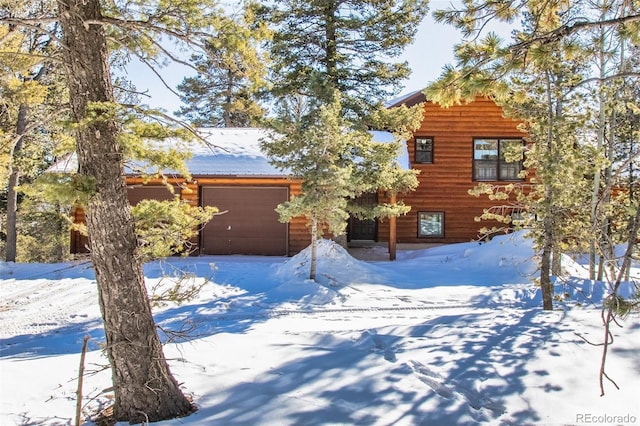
column 614, row 305
column 608, row 340
column 185, row 332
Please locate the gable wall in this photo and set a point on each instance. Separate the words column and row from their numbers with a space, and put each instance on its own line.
column 444, row 184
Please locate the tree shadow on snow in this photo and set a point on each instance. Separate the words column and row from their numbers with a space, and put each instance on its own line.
column 234, row 312
column 63, row 340
column 457, row 369
column 182, row 323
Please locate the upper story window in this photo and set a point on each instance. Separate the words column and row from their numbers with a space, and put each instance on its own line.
column 424, row 150
column 490, row 159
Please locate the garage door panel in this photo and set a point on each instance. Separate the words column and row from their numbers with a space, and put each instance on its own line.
column 250, row 224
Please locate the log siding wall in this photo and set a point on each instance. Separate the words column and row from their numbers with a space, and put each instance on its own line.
column 444, row 184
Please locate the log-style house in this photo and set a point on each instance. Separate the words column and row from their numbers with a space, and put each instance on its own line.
column 453, row 149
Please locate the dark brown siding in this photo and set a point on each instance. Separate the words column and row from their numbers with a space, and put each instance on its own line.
column 136, row 193
column 299, row 233
column 444, row 184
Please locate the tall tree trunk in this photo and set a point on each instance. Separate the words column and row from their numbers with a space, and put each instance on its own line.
column 393, row 237
column 227, row 118
column 606, row 196
column 331, row 58
column 14, row 180
column 556, row 262
column 62, row 233
column 596, row 191
column 546, row 286
column 15, row 173
column 144, row 388
column 548, row 234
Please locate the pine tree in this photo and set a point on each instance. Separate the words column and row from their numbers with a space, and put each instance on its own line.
column 230, row 75
column 336, row 163
column 28, row 106
column 380, row 171
column 322, row 46
column 166, row 228
column 145, row 390
column 316, row 153
column 574, row 190
column 610, row 50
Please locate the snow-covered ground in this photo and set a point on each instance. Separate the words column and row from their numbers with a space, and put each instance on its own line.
column 451, row 335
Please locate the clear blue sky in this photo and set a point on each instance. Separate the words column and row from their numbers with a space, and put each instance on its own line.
column 430, row 52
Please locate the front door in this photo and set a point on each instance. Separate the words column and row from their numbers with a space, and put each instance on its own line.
column 363, row 230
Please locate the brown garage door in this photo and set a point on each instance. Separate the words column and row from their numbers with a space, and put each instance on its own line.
column 250, row 225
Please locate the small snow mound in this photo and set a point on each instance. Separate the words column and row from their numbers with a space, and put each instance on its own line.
column 335, row 267
column 328, row 249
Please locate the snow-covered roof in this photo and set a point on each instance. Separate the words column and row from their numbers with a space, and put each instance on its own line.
column 401, row 98
column 66, row 164
column 229, row 152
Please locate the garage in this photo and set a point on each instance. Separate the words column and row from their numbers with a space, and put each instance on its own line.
column 249, row 225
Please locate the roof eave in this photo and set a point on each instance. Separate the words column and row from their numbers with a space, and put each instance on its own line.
column 410, row 99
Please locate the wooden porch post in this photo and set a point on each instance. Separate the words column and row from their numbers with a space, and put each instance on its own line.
column 392, row 232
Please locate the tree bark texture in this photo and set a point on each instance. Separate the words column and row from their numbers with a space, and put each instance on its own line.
column 556, row 262
column 546, row 286
column 331, row 62
column 14, row 180
column 548, row 234
column 144, row 388
column 393, row 235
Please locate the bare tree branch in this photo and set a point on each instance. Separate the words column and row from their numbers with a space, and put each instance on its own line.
column 33, row 24
column 568, row 29
column 187, row 36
